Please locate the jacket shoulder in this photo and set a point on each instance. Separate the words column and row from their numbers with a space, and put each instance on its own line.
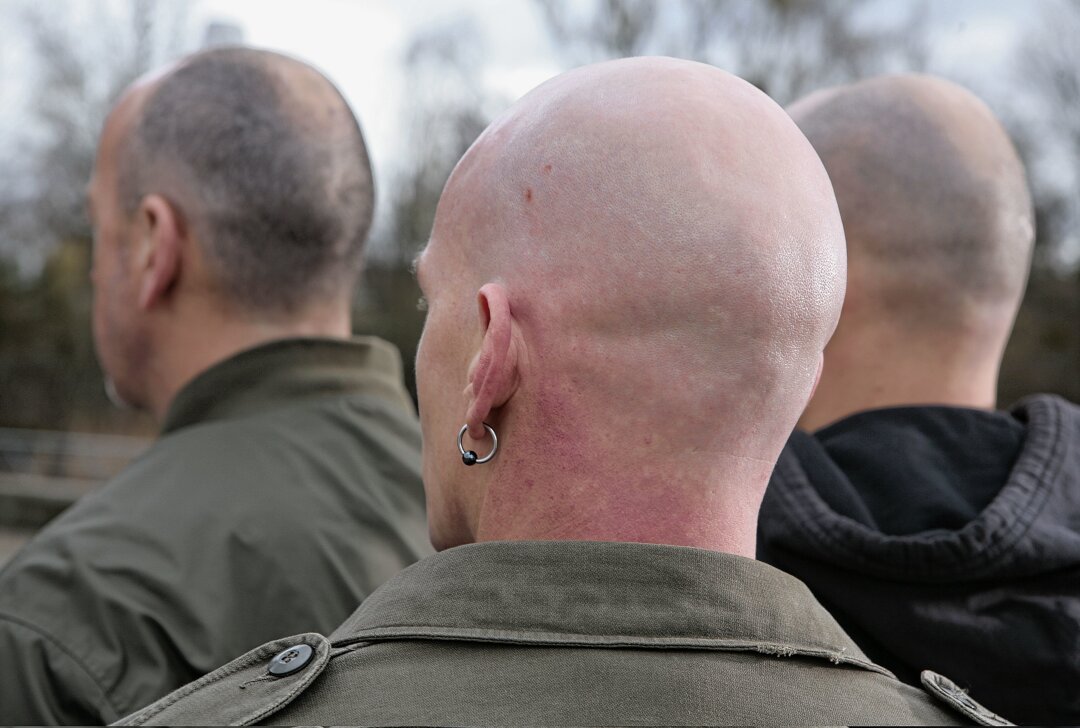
column 956, row 698
column 263, row 682
column 48, row 683
column 245, row 691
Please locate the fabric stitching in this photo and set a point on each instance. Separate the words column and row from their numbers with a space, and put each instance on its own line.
column 946, row 690
column 779, row 649
column 279, row 703
column 242, row 663
column 204, row 681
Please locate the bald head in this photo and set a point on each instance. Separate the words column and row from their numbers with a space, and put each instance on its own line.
column 672, row 256
column 268, row 165
column 641, row 205
column 933, row 196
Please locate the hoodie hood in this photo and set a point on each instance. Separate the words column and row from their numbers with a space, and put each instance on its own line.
column 945, row 539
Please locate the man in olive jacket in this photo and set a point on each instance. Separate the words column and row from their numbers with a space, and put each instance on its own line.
column 230, row 200
column 625, row 235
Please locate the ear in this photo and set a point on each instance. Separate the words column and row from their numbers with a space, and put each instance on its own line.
column 160, row 240
column 493, row 375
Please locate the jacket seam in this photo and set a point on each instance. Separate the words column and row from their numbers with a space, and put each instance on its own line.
column 279, row 703
column 191, row 689
column 67, row 652
column 765, row 647
column 241, row 663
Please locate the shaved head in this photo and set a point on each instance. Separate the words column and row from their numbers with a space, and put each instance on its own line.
column 267, row 162
column 671, row 253
column 653, row 214
column 933, row 196
column 940, row 230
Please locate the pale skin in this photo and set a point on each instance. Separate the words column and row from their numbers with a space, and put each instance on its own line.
column 871, row 365
column 919, row 163
column 619, row 304
column 159, row 316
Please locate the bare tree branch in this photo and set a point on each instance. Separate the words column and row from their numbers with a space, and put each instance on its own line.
column 786, row 47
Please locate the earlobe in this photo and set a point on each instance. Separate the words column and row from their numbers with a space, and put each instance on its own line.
column 494, row 372
column 159, row 258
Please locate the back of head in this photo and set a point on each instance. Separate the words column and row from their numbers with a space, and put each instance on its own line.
column 934, row 200
column 268, row 166
column 673, row 259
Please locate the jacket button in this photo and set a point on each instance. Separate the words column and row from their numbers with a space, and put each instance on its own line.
column 291, row 660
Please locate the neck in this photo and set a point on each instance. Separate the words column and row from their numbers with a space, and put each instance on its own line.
column 873, row 368
column 192, row 343
column 709, row 504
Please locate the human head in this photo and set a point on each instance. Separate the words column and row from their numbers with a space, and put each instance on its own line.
column 631, row 276
column 938, row 219
column 238, row 177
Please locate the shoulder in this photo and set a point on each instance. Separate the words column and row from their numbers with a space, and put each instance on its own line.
column 949, row 693
column 247, row 690
column 263, row 463
column 48, row 682
column 1047, row 410
column 325, row 433
column 98, row 577
column 300, row 678
column 206, row 492
column 1051, row 449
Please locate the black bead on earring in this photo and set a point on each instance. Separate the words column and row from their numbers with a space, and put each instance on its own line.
column 468, row 457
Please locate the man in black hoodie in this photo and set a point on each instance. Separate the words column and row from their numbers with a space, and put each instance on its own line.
column 941, row 533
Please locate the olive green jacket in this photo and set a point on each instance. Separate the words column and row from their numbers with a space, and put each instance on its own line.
column 569, row 633
column 285, row 487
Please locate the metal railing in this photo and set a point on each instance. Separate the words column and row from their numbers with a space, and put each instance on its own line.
column 43, row 472
column 67, row 454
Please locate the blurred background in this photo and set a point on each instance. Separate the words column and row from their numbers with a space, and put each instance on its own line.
column 425, row 77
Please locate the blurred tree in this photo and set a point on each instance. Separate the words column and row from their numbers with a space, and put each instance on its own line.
column 785, row 47
column 48, row 374
column 78, row 78
column 447, row 109
column 602, row 29
column 1043, row 354
column 1044, row 116
column 1047, row 126
column 46, row 359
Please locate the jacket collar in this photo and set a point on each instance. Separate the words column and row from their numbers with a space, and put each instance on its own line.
column 578, row 593
column 268, row 376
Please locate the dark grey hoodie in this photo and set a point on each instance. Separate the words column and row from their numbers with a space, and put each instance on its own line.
column 945, row 539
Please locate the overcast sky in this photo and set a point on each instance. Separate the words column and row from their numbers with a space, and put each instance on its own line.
column 359, row 43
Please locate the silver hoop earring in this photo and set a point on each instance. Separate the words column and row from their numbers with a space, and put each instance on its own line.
column 469, row 456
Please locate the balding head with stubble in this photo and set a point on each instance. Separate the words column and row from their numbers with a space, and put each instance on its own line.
column 939, row 225
column 231, row 198
column 269, row 162
column 631, row 277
